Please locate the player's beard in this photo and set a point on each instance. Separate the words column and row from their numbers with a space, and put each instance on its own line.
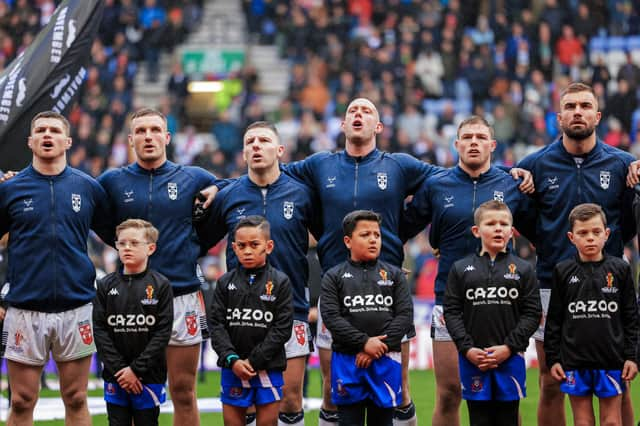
column 578, row 134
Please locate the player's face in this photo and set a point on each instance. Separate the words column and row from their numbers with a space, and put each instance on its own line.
column 494, row 230
column 475, row 145
column 149, row 139
column 262, row 148
column 134, row 249
column 589, row 237
column 251, row 247
column 49, row 139
column 361, row 122
column 579, row 115
column 365, row 242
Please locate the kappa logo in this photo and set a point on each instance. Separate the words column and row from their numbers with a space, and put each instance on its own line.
column 113, row 292
column 76, row 202
column 574, row 279
column 382, row 181
column 605, row 179
column 469, row 268
column 28, row 204
column 331, row 182
column 498, row 196
column 287, row 209
column 347, row 275
column 232, row 287
column 172, row 189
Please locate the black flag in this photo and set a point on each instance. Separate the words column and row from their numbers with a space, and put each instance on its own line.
column 46, row 76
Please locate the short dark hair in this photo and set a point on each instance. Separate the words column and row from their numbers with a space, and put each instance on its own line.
column 52, row 114
column 584, row 212
column 254, row 221
column 576, row 88
column 351, row 220
column 150, row 232
column 475, row 119
column 491, row 205
column 263, row 124
column 144, row 112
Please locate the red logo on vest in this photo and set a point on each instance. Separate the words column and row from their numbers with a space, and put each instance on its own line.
column 301, row 334
column 84, row 327
column 191, row 320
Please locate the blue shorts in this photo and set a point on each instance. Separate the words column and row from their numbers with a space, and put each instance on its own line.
column 381, row 382
column 505, row 383
column 264, row 388
column 152, row 396
column 602, row 383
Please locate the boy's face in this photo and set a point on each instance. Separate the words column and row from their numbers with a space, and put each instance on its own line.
column 252, row 247
column 494, row 230
column 133, row 248
column 589, row 237
column 365, row 241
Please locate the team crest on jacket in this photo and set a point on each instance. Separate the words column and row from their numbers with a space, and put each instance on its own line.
column 76, row 202
column 382, row 181
column 191, row 320
column 605, row 178
column 512, row 273
column 149, row 300
column 340, row 389
column 268, row 292
column 609, row 288
column 84, row 327
column 287, row 209
column 476, row 384
column 172, row 189
column 384, row 279
column 498, row 196
column 301, row 334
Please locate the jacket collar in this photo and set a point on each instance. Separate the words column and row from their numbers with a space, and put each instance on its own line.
column 373, row 154
column 164, row 168
column 31, row 170
column 457, row 170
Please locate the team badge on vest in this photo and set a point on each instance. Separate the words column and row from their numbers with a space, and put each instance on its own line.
column 268, row 292
column 382, row 181
column 84, row 327
column 476, row 384
column 76, row 201
column 605, row 178
column 301, row 333
column 609, row 288
column 172, row 189
column 149, row 300
column 512, row 274
column 498, row 196
column 287, row 209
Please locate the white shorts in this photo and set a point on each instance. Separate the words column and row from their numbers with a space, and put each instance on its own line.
column 323, row 336
column 545, row 295
column 29, row 336
column 299, row 342
column 189, row 320
column 439, row 330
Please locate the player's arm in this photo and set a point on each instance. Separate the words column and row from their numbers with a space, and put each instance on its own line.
column 161, row 331
column 340, row 328
column 628, row 217
column 630, row 320
column 213, row 228
column 402, row 309
column 4, row 215
column 279, row 331
column 111, row 358
column 415, row 172
column 417, row 214
column 530, row 312
column 102, row 222
column 302, row 171
column 221, row 341
column 554, row 320
column 454, row 312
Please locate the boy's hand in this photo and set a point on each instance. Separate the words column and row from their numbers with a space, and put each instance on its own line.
column 128, row 380
column 629, row 370
column 243, row 369
column 375, row 347
column 8, row 175
column 478, row 357
column 498, row 354
column 557, row 372
column 363, row 360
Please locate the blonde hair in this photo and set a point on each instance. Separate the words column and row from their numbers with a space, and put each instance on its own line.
column 150, row 232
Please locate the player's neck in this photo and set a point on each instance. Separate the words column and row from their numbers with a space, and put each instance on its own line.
column 49, row 167
column 360, row 149
column 579, row 147
column 492, row 253
column 152, row 164
column 134, row 269
column 474, row 173
column 595, row 258
column 265, row 177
